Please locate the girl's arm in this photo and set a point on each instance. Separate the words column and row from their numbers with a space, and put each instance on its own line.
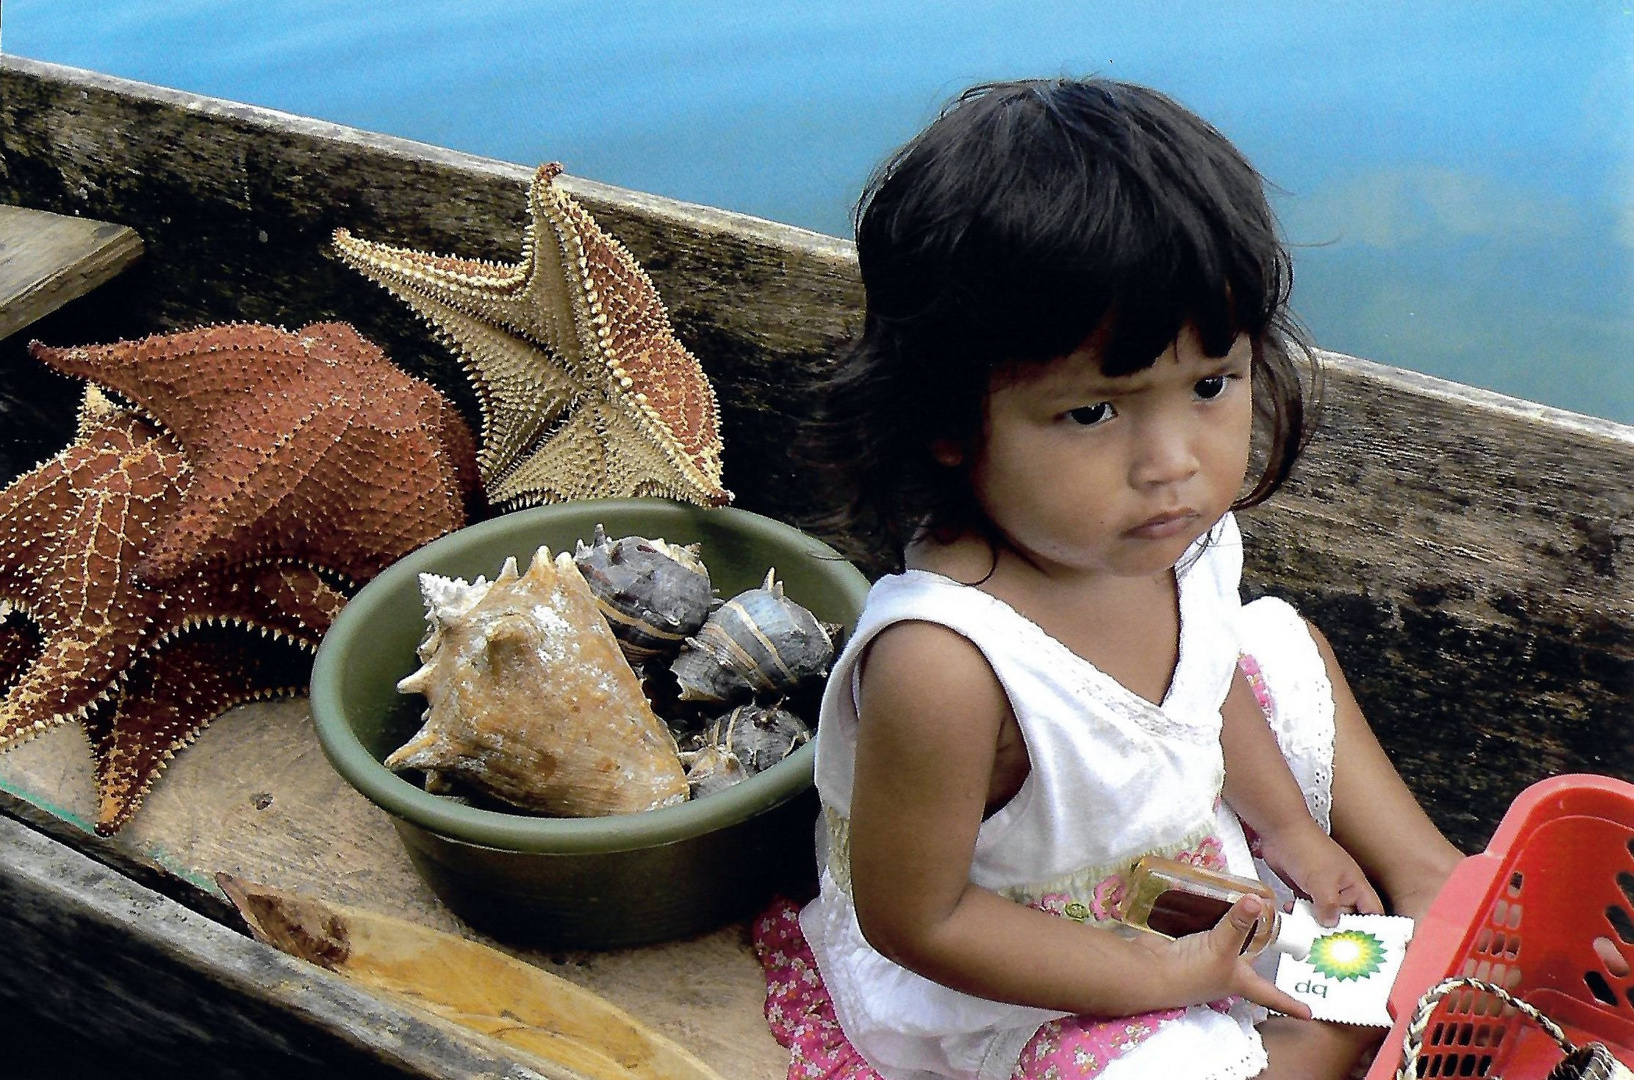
column 931, row 712
column 1265, row 795
column 1375, row 816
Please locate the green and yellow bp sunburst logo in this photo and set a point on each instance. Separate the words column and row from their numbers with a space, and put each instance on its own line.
column 1348, row 954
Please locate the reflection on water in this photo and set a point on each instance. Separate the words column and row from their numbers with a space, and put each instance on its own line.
column 1458, row 178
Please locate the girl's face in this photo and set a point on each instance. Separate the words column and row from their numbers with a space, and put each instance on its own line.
column 1082, row 473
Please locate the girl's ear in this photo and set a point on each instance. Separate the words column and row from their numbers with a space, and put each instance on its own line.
column 947, row 452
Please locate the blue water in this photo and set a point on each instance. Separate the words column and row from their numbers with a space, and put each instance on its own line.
column 1457, row 177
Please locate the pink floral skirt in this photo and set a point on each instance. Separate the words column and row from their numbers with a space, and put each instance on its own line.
column 801, row 1016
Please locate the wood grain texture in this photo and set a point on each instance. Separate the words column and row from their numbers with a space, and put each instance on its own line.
column 1470, row 556
column 137, row 970
column 47, row 259
column 255, row 798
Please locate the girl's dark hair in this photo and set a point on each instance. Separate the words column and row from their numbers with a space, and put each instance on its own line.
column 1028, row 216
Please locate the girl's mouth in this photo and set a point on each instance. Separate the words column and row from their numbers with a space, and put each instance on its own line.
column 1162, row 526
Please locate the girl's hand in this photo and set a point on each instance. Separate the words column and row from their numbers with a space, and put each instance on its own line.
column 1209, row 966
column 1312, row 862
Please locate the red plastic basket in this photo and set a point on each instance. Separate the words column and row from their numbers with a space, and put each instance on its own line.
column 1547, row 912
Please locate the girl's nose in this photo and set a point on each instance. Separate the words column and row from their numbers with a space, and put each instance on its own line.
column 1165, row 454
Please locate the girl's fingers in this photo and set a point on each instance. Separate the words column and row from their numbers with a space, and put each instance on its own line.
column 1261, row 991
column 1359, row 896
column 1233, row 929
column 1227, row 940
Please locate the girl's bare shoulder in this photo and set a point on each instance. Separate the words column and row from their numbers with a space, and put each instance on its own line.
column 921, row 672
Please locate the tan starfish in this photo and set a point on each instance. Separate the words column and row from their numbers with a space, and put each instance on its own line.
column 584, row 389
column 308, row 446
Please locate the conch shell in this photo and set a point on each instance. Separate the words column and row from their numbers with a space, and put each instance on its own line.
column 532, row 702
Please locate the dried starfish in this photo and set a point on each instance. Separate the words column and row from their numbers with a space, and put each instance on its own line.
column 583, row 387
column 71, row 532
column 169, row 698
column 308, row 446
column 18, row 647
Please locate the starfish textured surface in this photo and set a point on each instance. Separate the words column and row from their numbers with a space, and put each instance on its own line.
column 308, row 446
column 170, row 697
column 584, row 389
column 71, row 533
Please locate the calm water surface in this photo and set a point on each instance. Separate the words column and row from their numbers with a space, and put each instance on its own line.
column 1458, row 177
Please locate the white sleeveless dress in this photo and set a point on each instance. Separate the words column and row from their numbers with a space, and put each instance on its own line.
column 1113, row 777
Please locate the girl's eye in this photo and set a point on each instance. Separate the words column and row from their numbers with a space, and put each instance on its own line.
column 1090, row 415
column 1211, row 387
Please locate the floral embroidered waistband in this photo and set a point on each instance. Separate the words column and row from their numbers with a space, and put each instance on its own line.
column 1089, row 894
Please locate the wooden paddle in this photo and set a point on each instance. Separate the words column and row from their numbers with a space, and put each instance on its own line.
column 533, row 1012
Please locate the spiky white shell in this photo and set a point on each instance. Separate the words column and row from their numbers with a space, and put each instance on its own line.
column 531, row 701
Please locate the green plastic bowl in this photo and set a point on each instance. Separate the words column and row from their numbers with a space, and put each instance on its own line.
column 590, row 883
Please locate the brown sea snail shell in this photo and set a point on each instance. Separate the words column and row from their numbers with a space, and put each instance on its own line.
column 653, row 594
column 531, row 700
column 746, row 741
column 758, row 642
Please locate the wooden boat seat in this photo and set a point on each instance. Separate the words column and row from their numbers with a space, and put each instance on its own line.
column 48, row 259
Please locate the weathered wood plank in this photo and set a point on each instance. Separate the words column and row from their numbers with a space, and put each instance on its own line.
column 1471, row 557
column 47, row 260
column 255, row 798
column 137, row 970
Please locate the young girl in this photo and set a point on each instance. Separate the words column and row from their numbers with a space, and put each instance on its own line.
column 1076, row 340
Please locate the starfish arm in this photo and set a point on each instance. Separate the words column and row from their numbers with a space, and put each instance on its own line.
column 28, row 524
column 576, row 321
column 646, row 369
column 184, row 381
column 170, row 697
column 520, row 390
column 63, row 682
column 599, row 453
column 570, row 464
column 287, row 601
column 646, row 466
column 101, row 505
column 287, row 434
column 532, row 298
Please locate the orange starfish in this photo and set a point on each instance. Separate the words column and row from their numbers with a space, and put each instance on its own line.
column 71, row 532
column 584, row 389
column 169, row 698
column 308, row 446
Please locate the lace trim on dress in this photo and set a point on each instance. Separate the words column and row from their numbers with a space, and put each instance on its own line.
column 1096, row 685
column 1299, row 695
column 1253, row 1062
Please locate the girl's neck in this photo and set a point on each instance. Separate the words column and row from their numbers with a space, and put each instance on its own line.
column 1128, row 627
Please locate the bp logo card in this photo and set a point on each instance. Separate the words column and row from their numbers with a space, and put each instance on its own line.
column 1349, row 971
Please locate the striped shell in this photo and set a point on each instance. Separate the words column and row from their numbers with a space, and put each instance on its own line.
column 748, row 740
column 653, row 594
column 758, row 642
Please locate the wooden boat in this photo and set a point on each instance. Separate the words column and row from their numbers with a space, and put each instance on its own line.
column 1471, row 557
